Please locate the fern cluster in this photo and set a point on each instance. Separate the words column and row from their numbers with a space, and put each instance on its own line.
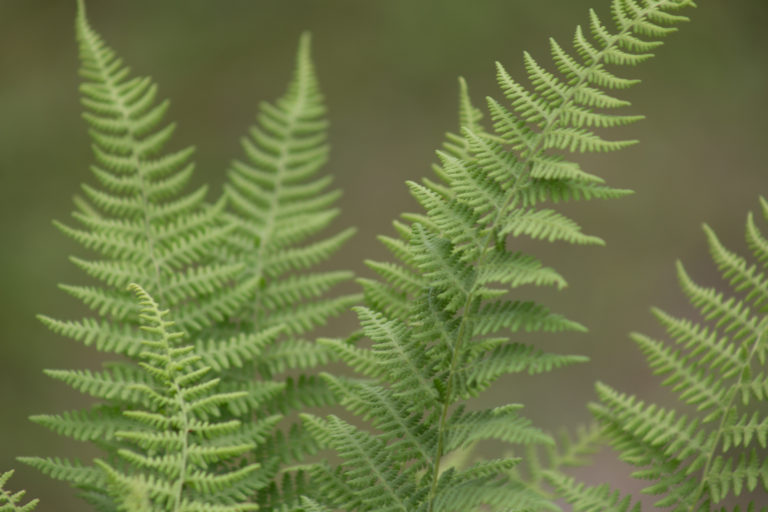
column 237, row 275
column 196, row 405
column 443, row 321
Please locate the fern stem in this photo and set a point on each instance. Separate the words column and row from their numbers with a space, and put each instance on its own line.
column 726, row 413
column 510, row 201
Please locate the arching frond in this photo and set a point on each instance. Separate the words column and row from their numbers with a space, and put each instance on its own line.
column 441, row 319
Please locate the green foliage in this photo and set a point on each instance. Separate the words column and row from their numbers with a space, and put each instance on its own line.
column 440, row 319
column 177, row 444
column 11, row 502
column 167, row 453
column 240, row 284
column 717, row 453
column 195, row 405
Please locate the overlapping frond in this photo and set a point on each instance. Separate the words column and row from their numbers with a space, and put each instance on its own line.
column 142, row 227
column 168, row 447
column 12, row 501
column 441, row 320
column 240, row 286
column 280, row 203
column 696, row 460
column 139, row 220
column 174, row 455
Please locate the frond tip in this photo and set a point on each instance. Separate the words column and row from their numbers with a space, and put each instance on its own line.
column 11, row 501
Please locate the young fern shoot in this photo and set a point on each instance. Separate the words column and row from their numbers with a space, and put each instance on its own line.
column 720, row 453
column 440, row 319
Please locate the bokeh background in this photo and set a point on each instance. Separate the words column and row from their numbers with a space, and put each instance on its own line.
column 388, row 70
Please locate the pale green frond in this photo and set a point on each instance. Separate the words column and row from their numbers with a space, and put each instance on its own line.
column 546, row 225
column 591, row 499
column 716, row 365
column 12, row 501
column 429, row 315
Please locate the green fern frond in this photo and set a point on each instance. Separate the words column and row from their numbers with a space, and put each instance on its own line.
column 144, row 223
column 11, row 501
column 696, row 462
column 174, row 447
column 439, row 319
column 278, row 202
column 164, row 449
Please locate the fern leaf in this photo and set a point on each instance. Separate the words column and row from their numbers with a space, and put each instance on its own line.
column 11, row 501
column 717, row 455
column 429, row 316
column 179, row 441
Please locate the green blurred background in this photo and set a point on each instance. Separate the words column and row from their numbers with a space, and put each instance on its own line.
column 388, row 70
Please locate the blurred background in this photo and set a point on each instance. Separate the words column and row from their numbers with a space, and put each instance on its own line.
column 388, row 70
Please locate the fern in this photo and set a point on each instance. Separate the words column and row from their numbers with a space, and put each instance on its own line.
column 696, row 461
column 11, row 502
column 144, row 230
column 279, row 202
column 439, row 319
column 140, row 222
column 279, row 206
column 235, row 303
column 169, row 454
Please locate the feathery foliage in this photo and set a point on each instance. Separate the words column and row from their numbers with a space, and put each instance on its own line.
column 236, row 282
column 696, row 461
column 279, row 205
column 440, row 319
column 11, row 501
column 178, row 446
column 166, row 452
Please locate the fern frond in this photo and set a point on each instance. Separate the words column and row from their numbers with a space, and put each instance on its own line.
column 280, row 206
column 169, row 454
column 142, row 226
column 145, row 229
column 279, row 202
column 430, row 316
column 11, row 501
column 715, row 365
